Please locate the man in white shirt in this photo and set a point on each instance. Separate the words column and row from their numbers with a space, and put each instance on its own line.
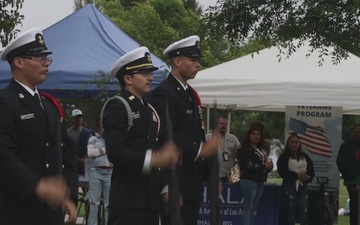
column 227, row 152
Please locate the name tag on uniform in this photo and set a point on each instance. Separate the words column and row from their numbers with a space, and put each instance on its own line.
column 189, row 112
column 27, row 116
column 136, row 115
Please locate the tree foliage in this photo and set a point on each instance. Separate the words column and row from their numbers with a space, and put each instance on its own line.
column 158, row 23
column 90, row 108
column 78, row 4
column 322, row 24
column 9, row 19
column 193, row 5
column 129, row 3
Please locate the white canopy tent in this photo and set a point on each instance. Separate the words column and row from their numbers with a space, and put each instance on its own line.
column 262, row 83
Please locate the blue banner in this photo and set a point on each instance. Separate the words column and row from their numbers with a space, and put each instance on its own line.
column 231, row 205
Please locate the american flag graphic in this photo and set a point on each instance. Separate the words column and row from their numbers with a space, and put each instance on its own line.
column 312, row 137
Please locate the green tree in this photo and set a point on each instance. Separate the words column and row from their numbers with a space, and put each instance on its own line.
column 90, row 107
column 193, row 5
column 141, row 22
column 323, row 24
column 9, row 19
column 241, row 120
column 78, row 4
column 129, row 3
column 158, row 23
column 174, row 14
column 348, row 122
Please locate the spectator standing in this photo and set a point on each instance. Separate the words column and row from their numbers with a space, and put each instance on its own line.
column 100, row 175
column 79, row 137
column 348, row 162
column 254, row 166
column 227, row 152
column 37, row 168
column 296, row 169
column 266, row 146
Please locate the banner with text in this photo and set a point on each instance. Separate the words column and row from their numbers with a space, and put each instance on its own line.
column 231, row 205
column 319, row 129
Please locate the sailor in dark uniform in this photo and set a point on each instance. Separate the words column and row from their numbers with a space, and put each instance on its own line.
column 131, row 129
column 186, row 119
column 37, row 170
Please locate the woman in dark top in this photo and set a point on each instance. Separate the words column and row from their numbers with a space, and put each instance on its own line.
column 253, row 165
column 296, row 169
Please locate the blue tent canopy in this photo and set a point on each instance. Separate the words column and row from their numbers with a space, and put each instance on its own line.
column 85, row 45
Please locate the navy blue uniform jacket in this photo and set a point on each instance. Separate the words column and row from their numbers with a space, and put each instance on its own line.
column 33, row 145
column 187, row 130
column 130, row 187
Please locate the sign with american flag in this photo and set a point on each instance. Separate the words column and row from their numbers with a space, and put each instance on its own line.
column 319, row 130
column 312, row 137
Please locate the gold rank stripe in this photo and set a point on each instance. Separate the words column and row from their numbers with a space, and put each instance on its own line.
column 139, row 66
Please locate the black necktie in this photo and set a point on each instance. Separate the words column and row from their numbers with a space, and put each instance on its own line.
column 37, row 99
column 188, row 92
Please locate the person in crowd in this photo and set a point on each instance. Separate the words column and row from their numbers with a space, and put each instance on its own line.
column 227, row 152
column 79, row 137
column 347, row 207
column 100, row 175
column 346, row 211
column 183, row 104
column 266, row 146
column 296, row 169
column 131, row 133
column 254, row 165
column 37, row 168
column 348, row 162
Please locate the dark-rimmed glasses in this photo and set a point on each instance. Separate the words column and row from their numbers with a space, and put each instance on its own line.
column 42, row 59
column 145, row 73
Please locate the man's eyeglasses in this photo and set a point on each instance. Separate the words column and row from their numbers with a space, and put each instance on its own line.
column 145, row 73
column 43, row 59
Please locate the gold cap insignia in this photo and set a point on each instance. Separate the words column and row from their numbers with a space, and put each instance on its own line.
column 148, row 57
column 198, row 44
column 39, row 38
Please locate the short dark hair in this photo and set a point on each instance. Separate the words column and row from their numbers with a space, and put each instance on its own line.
column 222, row 117
column 121, row 80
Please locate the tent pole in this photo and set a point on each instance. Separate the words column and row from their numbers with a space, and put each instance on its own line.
column 207, row 119
column 229, row 121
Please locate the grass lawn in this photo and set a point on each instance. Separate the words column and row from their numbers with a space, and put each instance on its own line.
column 343, row 196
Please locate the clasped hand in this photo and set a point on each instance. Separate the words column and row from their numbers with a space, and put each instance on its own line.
column 55, row 193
